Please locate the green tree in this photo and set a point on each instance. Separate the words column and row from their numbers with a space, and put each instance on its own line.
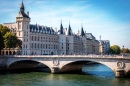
column 4, row 30
column 1, row 42
column 115, row 49
column 124, row 50
column 10, row 40
column 19, row 43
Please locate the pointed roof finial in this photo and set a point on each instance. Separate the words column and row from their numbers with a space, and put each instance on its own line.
column 61, row 28
column 82, row 31
column 69, row 32
column 22, row 7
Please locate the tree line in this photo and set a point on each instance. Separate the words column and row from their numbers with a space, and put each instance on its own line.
column 115, row 49
column 8, row 39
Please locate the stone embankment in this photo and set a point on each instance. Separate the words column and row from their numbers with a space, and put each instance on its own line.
column 2, row 63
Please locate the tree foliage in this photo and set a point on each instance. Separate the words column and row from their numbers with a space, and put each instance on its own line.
column 125, row 50
column 10, row 40
column 19, row 43
column 1, row 42
column 115, row 49
column 4, row 30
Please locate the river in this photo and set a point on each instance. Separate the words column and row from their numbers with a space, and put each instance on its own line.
column 95, row 75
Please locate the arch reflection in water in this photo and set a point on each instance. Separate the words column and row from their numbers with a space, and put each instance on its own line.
column 97, row 69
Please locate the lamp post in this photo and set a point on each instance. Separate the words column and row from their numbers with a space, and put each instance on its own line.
column 123, row 50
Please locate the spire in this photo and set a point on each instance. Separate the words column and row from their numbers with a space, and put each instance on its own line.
column 22, row 7
column 69, row 29
column 82, row 31
column 61, row 28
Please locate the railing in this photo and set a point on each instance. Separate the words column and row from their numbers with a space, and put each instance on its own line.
column 87, row 56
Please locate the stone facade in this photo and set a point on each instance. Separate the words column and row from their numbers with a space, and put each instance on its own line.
column 42, row 40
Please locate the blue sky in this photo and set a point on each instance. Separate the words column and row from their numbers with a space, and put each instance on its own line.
column 108, row 18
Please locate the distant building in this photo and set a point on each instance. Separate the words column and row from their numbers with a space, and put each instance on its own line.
column 42, row 40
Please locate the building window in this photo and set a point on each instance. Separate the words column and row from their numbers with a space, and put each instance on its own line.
column 32, row 38
column 41, row 45
column 35, row 45
column 46, row 46
column 32, row 45
column 19, row 33
column 19, row 26
column 38, row 39
column 38, row 45
column 35, row 38
column 27, row 26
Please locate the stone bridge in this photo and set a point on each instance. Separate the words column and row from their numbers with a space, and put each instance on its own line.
column 65, row 63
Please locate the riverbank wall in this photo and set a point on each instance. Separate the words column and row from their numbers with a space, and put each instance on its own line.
column 2, row 63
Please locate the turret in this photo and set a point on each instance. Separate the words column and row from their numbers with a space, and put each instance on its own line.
column 22, row 8
column 69, row 31
column 82, row 31
column 61, row 28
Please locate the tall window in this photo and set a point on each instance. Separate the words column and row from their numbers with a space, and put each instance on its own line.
column 35, row 38
column 27, row 26
column 19, row 33
column 19, row 26
column 32, row 45
column 32, row 38
column 35, row 45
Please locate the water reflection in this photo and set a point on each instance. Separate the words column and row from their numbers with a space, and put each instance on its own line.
column 96, row 75
column 98, row 70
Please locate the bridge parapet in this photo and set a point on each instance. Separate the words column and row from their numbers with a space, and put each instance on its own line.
column 70, row 56
column 61, row 63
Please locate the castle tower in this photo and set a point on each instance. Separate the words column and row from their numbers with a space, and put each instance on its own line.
column 82, row 34
column 23, row 31
column 62, row 40
column 69, row 41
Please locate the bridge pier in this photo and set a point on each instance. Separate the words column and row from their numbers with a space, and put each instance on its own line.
column 120, row 73
column 55, row 70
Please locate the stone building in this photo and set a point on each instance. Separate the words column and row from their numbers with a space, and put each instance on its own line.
column 43, row 40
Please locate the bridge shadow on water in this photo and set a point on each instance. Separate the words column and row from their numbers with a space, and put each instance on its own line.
column 96, row 69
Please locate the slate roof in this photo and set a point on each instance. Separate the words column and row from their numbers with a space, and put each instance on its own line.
column 69, row 31
column 82, row 32
column 41, row 29
column 61, row 29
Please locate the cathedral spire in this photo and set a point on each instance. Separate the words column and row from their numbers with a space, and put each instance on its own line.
column 22, row 7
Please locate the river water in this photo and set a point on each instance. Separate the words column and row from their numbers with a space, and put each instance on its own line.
column 95, row 75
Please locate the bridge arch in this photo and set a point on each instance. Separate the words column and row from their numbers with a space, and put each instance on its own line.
column 28, row 63
column 77, row 65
